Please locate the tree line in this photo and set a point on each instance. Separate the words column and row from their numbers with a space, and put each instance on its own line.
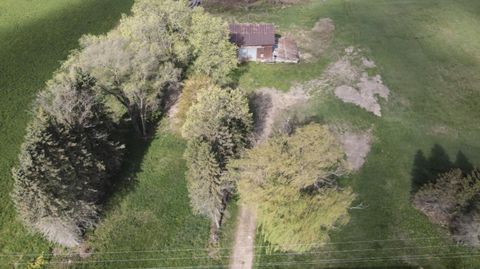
column 71, row 150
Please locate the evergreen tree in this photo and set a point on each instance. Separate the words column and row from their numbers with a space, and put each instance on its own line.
column 217, row 127
column 188, row 96
column 66, row 160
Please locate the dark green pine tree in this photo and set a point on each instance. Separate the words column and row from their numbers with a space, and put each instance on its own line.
column 66, row 160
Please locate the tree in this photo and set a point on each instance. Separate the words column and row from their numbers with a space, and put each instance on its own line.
column 188, row 96
column 214, row 55
column 66, row 160
column 150, row 51
column 291, row 181
column 448, row 196
column 217, row 127
column 222, row 118
column 137, row 73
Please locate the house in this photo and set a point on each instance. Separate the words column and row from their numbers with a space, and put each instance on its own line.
column 257, row 42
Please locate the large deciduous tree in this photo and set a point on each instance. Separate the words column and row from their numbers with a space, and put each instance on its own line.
column 291, row 182
column 66, row 159
column 151, row 50
column 213, row 54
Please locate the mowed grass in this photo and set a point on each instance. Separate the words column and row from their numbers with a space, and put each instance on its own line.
column 149, row 222
column 34, row 37
column 428, row 55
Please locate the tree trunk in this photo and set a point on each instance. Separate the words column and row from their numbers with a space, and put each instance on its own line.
column 217, row 222
column 137, row 122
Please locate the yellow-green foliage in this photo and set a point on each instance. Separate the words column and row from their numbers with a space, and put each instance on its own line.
column 38, row 263
column 281, row 179
column 189, row 95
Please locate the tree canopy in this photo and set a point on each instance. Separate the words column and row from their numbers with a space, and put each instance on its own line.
column 152, row 50
column 217, row 127
column 291, row 181
column 66, row 159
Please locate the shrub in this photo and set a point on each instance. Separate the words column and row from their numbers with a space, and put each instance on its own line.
column 451, row 194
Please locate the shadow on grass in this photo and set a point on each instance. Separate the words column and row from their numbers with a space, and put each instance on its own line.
column 426, row 170
column 136, row 148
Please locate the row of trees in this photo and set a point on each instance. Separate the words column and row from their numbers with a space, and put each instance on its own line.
column 70, row 152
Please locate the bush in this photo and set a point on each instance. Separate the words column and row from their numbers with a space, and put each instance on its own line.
column 189, row 96
column 450, row 195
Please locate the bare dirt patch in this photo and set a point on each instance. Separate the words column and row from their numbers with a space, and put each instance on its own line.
column 268, row 104
column 243, row 248
column 352, row 84
column 356, row 146
column 313, row 43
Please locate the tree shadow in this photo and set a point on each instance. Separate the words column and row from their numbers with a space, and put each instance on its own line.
column 426, row 170
column 124, row 181
column 237, row 74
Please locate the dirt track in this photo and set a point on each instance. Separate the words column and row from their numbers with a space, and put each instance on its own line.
column 244, row 250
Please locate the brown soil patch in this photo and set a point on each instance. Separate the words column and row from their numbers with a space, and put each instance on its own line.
column 313, row 43
column 268, row 104
column 352, row 84
column 356, row 146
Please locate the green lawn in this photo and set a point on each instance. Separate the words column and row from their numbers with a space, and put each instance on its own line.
column 34, row 37
column 428, row 53
column 149, row 222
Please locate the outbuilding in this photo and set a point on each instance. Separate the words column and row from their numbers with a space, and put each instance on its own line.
column 257, row 42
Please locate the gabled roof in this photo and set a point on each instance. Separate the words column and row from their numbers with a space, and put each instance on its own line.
column 248, row 34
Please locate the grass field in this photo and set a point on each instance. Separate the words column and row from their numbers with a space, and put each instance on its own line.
column 34, row 37
column 428, row 55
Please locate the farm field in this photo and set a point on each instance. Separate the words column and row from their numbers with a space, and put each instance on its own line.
column 428, row 54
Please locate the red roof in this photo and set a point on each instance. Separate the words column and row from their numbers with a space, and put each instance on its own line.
column 252, row 34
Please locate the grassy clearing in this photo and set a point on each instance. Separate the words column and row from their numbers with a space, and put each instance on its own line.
column 427, row 53
column 149, row 223
column 34, row 38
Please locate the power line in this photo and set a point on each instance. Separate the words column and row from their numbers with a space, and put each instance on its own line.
column 227, row 248
column 228, row 256
column 331, row 261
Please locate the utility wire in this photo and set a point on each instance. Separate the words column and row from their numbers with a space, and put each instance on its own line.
column 228, row 256
column 227, row 248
